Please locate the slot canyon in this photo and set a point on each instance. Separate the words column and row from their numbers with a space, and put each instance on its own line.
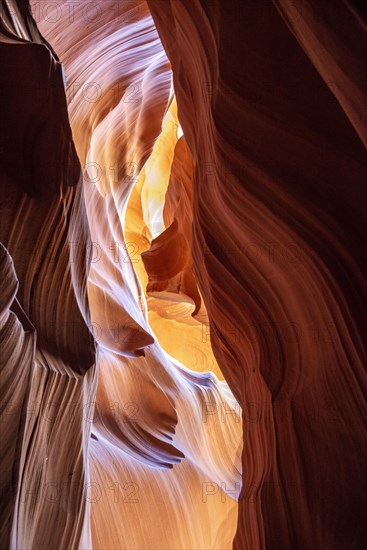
column 182, row 304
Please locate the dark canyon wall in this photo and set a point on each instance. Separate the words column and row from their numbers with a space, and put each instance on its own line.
column 271, row 98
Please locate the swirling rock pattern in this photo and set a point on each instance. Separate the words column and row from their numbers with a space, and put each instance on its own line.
column 181, row 218
column 48, row 352
column 133, row 427
column 274, row 119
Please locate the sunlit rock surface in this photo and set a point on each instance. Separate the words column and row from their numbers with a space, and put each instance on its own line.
column 131, row 449
column 275, row 122
column 181, row 296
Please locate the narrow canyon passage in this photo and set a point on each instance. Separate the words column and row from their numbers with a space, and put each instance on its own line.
column 182, row 245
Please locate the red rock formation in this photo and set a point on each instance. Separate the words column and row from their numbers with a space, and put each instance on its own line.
column 95, row 447
column 145, row 246
column 273, row 120
column 48, row 354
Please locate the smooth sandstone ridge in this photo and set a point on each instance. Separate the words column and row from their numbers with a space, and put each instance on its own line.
column 181, row 294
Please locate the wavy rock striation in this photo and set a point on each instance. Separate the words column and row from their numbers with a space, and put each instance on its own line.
column 126, row 433
column 48, row 358
column 182, row 202
column 271, row 102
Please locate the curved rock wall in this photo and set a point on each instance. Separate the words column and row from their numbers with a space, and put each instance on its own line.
column 103, row 444
column 182, row 221
column 273, row 119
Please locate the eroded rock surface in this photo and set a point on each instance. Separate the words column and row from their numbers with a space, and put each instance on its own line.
column 182, row 327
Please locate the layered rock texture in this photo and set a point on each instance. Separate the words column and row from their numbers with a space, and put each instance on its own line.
column 181, row 306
